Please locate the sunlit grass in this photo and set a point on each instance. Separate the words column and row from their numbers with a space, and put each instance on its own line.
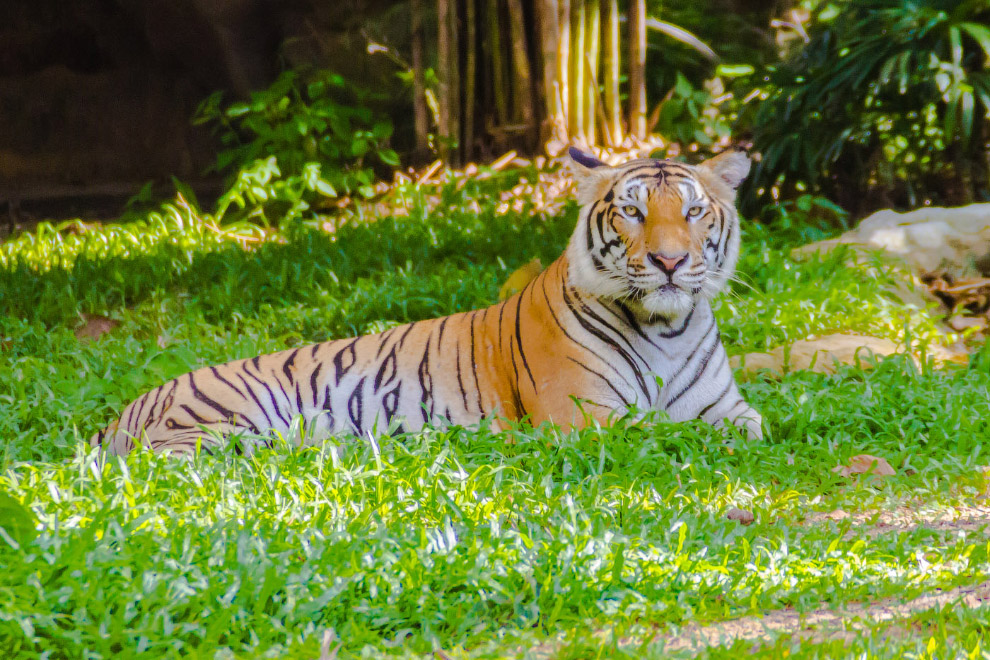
column 478, row 544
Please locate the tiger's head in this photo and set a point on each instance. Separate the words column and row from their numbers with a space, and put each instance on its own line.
column 657, row 234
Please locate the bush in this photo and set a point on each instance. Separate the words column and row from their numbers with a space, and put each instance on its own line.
column 296, row 142
column 885, row 106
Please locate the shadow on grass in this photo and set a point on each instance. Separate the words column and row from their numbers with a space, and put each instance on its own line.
column 230, row 279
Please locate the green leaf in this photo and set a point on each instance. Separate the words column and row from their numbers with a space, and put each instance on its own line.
column 324, row 188
column 389, row 157
column 980, row 34
column 733, row 70
column 382, row 130
column 17, row 521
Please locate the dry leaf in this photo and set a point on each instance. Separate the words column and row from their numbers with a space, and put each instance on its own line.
column 94, row 327
column 863, row 464
column 742, row 516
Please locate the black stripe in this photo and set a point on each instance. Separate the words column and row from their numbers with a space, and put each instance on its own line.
column 134, row 406
column 426, row 383
column 596, row 317
column 717, row 400
column 679, row 331
column 286, row 366
column 597, row 332
column 383, row 341
column 612, row 387
column 355, row 405
column 700, row 370
column 390, row 402
column 201, row 396
column 522, row 354
column 569, row 336
column 402, row 339
column 271, row 395
column 460, row 381
column 386, row 372
column 521, row 410
column 474, row 365
column 443, row 324
column 256, row 399
column 194, row 415
column 312, row 380
column 338, row 360
column 218, row 376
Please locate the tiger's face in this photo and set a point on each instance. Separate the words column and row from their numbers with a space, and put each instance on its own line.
column 658, row 235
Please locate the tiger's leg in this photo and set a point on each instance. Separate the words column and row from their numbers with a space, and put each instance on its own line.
column 712, row 395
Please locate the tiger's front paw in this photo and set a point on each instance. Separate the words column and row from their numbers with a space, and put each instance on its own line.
column 749, row 421
column 752, row 422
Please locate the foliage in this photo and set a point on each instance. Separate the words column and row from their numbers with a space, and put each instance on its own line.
column 474, row 543
column 690, row 116
column 889, row 95
column 299, row 140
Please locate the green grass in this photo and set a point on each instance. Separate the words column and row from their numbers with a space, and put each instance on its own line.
column 479, row 544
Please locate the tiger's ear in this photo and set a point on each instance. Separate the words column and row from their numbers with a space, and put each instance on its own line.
column 591, row 175
column 731, row 167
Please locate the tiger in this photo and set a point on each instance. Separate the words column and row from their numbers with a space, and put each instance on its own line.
column 621, row 321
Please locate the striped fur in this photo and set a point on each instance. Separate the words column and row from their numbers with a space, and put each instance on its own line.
column 603, row 324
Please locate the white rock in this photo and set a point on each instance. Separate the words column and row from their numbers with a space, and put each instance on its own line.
column 931, row 239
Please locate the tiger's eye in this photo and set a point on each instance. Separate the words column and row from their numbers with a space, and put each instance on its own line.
column 631, row 210
column 694, row 211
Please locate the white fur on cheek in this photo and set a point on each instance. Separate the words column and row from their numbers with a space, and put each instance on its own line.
column 582, row 273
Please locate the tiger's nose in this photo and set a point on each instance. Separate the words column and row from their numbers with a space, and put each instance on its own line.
column 666, row 263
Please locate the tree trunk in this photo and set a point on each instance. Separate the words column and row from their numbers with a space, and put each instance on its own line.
column 613, row 105
column 420, row 120
column 470, row 78
column 447, row 73
column 593, row 15
column 637, row 68
column 575, row 109
column 494, row 38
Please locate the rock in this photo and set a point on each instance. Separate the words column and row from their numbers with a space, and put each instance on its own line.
column 931, row 239
column 94, row 326
column 741, row 516
column 822, row 354
column 865, row 464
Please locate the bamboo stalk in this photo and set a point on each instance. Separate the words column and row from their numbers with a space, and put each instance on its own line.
column 575, row 111
column 420, row 121
column 549, row 40
column 592, row 19
column 522, row 90
column 613, row 105
column 470, row 78
column 598, row 107
column 637, row 68
column 563, row 63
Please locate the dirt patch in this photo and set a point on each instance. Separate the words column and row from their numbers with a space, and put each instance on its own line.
column 821, row 624
column 871, row 524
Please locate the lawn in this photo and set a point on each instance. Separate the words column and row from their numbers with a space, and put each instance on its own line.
column 463, row 543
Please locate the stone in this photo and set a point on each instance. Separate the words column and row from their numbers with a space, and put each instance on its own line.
column 930, row 239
